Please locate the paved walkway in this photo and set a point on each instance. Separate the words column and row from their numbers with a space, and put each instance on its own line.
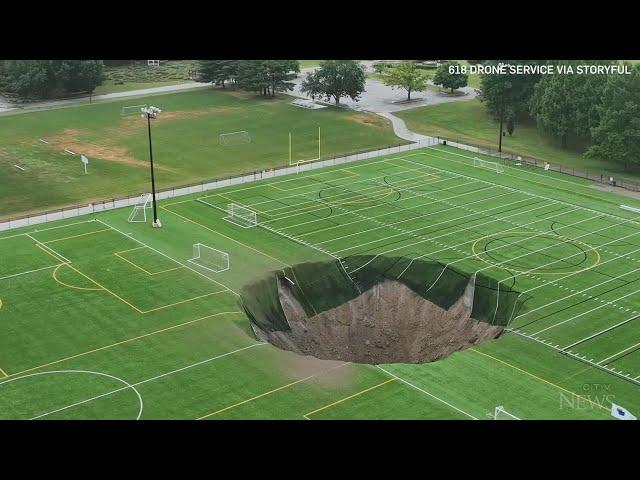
column 8, row 106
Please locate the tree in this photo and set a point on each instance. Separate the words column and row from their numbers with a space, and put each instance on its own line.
column 81, row 76
column 406, row 75
column 511, row 122
column 50, row 78
column 217, row 71
column 339, row 78
column 567, row 103
column 267, row 76
column 500, row 93
column 448, row 78
column 312, row 86
column 617, row 135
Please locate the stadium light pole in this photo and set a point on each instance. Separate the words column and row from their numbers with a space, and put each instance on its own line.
column 152, row 112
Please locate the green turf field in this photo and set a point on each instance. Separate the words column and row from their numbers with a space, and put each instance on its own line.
column 185, row 139
column 100, row 318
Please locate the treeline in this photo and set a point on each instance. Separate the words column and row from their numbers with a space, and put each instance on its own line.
column 265, row 77
column 42, row 79
column 332, row 80
column 602, row 110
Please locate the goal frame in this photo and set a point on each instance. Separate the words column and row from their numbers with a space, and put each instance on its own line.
column 125, row 113
column 488, row 165
column 231, row 216
column 242, row 134
column 197, row 255
column 145, row 199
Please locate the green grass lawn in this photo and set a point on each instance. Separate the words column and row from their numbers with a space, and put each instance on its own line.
column 309, row 63
column 468, row 122
column 186, row 148
column 111, row 321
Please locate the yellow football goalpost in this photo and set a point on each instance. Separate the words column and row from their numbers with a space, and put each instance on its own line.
column 298, row 162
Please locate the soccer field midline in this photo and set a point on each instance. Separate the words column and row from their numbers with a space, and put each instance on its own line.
column 575, row 261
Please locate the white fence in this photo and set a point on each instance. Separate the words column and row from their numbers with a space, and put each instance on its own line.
column 210, row 185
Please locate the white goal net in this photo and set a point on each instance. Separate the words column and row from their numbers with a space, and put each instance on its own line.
column 234, row 138
column 132, row 110
column 210, row 258
column 241, row 216
column 495, row 166
column 501, row 414
column 139, row 212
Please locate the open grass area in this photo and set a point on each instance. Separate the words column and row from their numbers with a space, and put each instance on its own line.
column 468, row 122
column 309, row 63
column 185, row 140
column 100, row 318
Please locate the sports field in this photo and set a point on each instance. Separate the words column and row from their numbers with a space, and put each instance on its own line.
column 40, row 152
column 101, row 318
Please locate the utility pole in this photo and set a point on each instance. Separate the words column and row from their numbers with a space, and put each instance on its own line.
column 152, row 112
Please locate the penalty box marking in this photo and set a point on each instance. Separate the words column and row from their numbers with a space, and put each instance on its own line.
column 275, row 185
column 102, row 287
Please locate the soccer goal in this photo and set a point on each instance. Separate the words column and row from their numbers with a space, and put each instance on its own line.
column 501, row 414
column 139, row 212
column 131, row 110
column 234, row 138
column 242, row 216
column 210, row 258
column 496, row 167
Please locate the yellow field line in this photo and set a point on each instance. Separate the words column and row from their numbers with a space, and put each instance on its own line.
column 163, row 207
column 132, row 249
column 55, row 277
column 106, row 289
column 237, row 202
column 0, row 303
column 75, row 236
column 117, row 254
column 274, row 185
column 3, row 373
column 537, row 377
column 105, row 347
column 183, row 301
column 271, row 391
column 306, row 415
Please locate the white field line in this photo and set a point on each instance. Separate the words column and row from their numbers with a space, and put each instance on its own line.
column 484, row 213
column 45, row 229
column 347, row 212
column 32, row 271
column 137, row 384
column 313, row 188
column 364, row 162
column 582, row 358
column 605, row 360
column 332, row 200
column 516, row 169
column 456, row 246
column 385, row 225
column 426, row 152
column 172, row 259
column 289, row 237
column 497, row 265
column 461, row 207
column 605, row 304
column 579, row 292
column 426, row 393
column 53, row 252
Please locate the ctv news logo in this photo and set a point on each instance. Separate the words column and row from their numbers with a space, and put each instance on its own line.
column 594, row 395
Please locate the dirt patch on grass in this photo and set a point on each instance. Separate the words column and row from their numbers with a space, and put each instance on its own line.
column 370, row 120
column 68, row 140
column 389, row 323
